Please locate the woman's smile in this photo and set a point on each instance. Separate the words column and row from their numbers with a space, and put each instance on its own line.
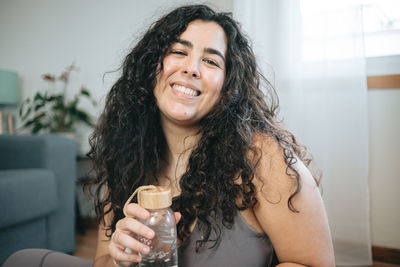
column 184, row 89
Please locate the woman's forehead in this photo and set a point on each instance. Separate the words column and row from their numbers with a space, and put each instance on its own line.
column 208, row 34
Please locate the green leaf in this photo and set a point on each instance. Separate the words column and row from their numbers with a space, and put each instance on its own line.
column 21, row 109
column 27, row 113
column 85, row 92
column 39, row 106
column 28, row 123
column 38, row 96
column 37, row 128
column 74, row 103
column 51, row 98
column 80, row 115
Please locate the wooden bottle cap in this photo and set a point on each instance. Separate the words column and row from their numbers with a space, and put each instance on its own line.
column 157, row 197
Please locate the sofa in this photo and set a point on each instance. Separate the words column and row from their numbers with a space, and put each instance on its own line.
column 37, row 193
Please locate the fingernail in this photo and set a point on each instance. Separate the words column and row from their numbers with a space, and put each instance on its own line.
column 145, row 249
column 150, row 233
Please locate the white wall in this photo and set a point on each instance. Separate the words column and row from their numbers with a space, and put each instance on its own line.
column 221, row 5
column 384, row 179
column 384, row 133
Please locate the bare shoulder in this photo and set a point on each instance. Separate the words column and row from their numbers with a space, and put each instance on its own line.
column 301, row 237
column 272, row 172
column 271, row 167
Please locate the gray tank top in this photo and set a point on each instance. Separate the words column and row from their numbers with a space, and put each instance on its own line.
column 238, row 247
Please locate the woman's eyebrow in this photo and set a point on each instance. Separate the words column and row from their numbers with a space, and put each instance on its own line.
column 207, row 49
column 185, row 43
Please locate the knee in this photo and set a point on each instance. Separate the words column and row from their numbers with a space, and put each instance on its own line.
column 44, row 258
column 27, row 257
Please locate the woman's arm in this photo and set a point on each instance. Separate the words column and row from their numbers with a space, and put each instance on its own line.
column 299, row 239
column 102, row 258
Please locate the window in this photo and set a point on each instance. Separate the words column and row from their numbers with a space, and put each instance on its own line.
column 328, row 29
column 381, row 21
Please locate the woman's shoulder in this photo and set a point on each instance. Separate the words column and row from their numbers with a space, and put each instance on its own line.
column 274, row 171
column 266, row 144
column 267, row 155
column 270, row 167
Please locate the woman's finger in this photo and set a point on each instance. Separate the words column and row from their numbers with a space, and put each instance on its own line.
column 124, row 240
column 121, row 257
column 135, row 210
column 134, row 226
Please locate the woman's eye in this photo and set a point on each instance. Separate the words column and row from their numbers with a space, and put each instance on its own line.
column 212, row 62
column 178, row 52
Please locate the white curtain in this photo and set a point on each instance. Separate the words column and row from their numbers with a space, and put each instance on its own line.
column 313, row 53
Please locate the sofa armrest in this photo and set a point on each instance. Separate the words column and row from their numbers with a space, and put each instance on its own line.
column 58, row 154
column 26, row 194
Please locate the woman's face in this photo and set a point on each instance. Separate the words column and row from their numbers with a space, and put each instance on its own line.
column 190, row 83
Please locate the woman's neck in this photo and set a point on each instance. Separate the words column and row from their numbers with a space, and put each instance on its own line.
column 180, row 143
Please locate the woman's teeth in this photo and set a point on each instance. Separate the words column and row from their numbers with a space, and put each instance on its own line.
column 185, row 90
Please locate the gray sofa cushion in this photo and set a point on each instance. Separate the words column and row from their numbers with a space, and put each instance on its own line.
column 27, row 194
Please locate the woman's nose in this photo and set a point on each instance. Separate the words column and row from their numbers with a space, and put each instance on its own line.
column 191, row 67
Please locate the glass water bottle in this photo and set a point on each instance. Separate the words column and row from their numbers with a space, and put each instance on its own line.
column 163, row 247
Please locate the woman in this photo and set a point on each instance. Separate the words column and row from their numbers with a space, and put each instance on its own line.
column 188, row 112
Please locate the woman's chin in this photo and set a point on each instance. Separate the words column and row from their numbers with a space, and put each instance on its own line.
column 185, row 122
column 183, row 119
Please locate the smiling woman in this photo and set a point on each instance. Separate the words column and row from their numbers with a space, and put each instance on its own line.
column 192, row 112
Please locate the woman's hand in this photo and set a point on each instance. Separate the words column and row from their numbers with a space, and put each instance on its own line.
column 124, row 247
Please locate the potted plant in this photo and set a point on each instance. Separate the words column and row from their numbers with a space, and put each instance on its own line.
column 52, row 111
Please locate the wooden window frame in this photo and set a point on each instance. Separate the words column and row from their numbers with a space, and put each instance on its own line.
column 384, row 82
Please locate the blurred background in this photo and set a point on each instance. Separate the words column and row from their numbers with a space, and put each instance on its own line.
column 335, row 64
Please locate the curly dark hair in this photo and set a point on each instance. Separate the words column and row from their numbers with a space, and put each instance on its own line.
column 128, row 145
